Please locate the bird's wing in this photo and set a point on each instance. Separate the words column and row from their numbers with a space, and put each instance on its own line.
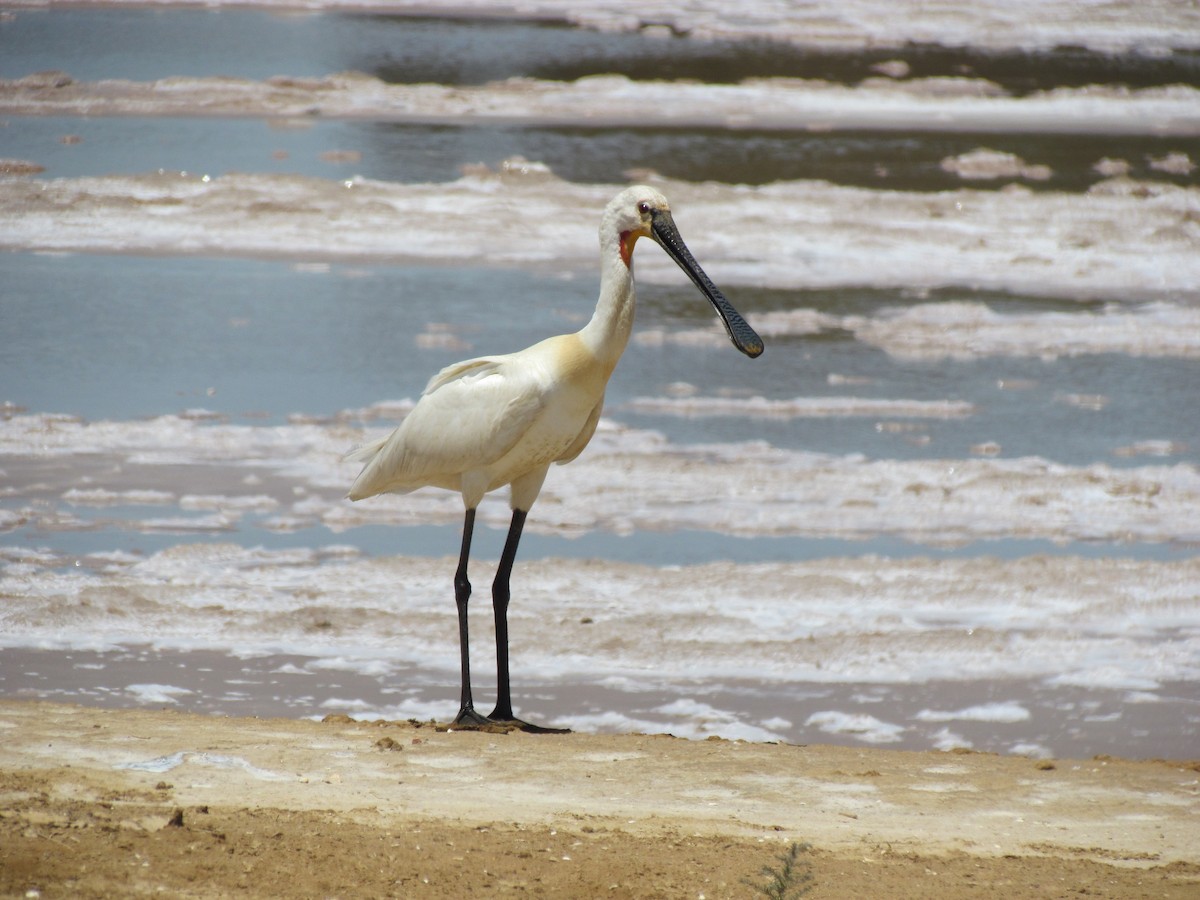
column 368, row 451
column 470, row 415
column 482, row 365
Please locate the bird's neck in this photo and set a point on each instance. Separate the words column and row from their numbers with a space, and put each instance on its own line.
column 608, row 331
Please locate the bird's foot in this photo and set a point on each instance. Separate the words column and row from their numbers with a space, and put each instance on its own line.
column 512, row 723
column 468, row 718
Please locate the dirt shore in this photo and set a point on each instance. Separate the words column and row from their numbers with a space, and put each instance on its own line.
column 103, row 803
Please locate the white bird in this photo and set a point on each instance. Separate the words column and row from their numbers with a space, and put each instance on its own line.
column 502, row 420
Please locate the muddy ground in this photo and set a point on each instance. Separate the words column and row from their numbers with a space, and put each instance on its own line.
column 103, row 803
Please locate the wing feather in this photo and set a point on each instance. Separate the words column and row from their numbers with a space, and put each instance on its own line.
column 471, row 414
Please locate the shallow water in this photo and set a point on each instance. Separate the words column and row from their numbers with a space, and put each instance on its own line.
column 148, row 44
column 70, row 148
column 117, row 337
column 982, row 493
column 996, row 716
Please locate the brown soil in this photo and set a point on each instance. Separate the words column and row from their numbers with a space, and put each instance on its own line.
column 280, row 808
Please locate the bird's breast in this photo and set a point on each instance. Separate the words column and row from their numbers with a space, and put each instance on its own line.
column 572, row 384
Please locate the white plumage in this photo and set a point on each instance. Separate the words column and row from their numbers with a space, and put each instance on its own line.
column 488, row 422
column 503, row 420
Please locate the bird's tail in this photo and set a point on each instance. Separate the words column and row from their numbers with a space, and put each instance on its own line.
column 365, row 452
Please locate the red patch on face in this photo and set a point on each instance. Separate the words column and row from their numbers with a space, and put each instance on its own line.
column 628, row 239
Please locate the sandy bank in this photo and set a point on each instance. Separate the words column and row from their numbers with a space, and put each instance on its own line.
column 103, row 801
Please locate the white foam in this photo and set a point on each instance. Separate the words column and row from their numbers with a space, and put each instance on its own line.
column 988, row 712
column 186, row 524
column 221, row 503
column 945, row 739
column 1142, row 697
column 290, row 669
column 410, row 708
column 610, row 722
column 982, row 164
column 1060, row 622
column 970, row 329
column 685, row 721
column 155, row 693
column 103, row 497
column 694, row 719
column 1119, row 241
column 1149, row 26
column 358, row 666
column 857, row 725
column 868, row 23
column 801, row 407
column 346, row 705
column 941, row 104
column 1100, row 672
column 630, row 479
column 1031, row 749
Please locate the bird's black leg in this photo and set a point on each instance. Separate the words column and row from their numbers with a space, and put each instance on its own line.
column 500, row 596
column 462, row 593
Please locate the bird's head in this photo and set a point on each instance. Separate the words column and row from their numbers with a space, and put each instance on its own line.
column 632, row 214
column 641, row 211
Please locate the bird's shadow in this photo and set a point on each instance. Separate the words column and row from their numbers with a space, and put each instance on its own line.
column 500, row 727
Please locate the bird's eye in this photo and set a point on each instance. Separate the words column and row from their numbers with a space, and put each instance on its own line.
column 644, row 208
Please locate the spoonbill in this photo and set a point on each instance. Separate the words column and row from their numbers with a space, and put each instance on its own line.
column 502, row 420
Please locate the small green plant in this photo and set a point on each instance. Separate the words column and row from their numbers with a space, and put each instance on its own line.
column 792, row 878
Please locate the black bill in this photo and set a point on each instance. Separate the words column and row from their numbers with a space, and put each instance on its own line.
column 743, row 336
